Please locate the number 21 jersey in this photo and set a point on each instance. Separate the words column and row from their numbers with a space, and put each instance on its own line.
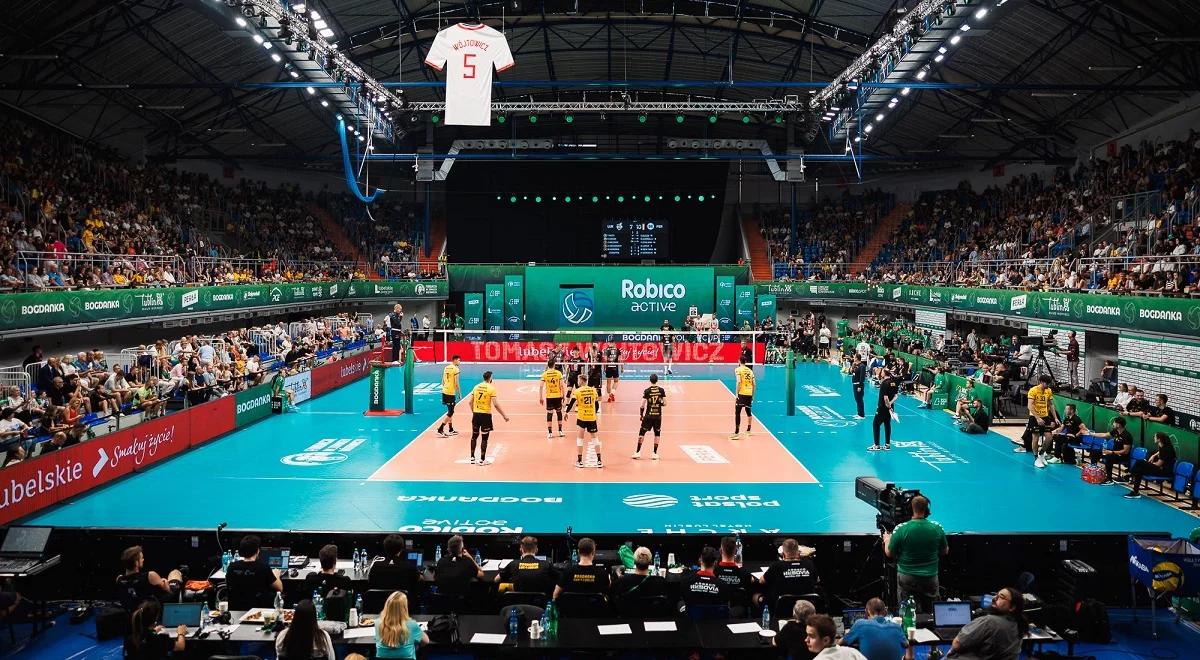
column 468, row 52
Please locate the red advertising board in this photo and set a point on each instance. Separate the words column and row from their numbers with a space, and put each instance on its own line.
column 211, row 420
column 631, row 352
column 335, row 374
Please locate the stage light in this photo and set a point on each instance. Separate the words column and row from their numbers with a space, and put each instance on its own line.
column 298, row 7
column 241, row 22
column 620, row 199
column 921, row 74
column 525, row 197
column 567, row 199
column 533, row 119
column 500, row 119
column 258, row 39
column 435, row 118
column 554, row 198
column 955, row 39
column 293, row 74
column 310, row 90
column 325, row 104
column 858, row 138
column 320, row 24
column 939, row 57
column 981, row 13
column 712, row 119
column 642, row 118
column 595, row 199
column 570, row 119
column 328, row 34
column 513, row 199
column 868, row 128
column 966, row 27
column 879, row 117
column 745, row 119
column 268, row 45
column 276, row 57
column 646, row 198
column 905, row 91
column 678, row 119
column 497, row 198
column 778, row 119
column 677, row 198
column 538, row 199
column 700, row 198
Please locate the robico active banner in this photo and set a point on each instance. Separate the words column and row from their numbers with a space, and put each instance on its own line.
column 625, row 297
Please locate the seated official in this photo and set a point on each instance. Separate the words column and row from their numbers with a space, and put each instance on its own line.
column 1068, row 432
column 998, row 634
column 249, row 582
column 821, row 640
column 1160, row 411
column 974, row 419
column 641, row 582
column 702, row 588
column 1159, row 464
column 794, row 574
column 145, row 640
column 394, row 571
column 584, row 577
column 397, row 635
column 457, row 569
column 327, row 579
column 727, row 569
column 137, row 585
column 877, row 637
column 1122, row 446
column 528, row 573
column 793, row 635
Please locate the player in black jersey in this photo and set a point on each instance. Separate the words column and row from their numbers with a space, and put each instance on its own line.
column 574, row 370
column 668, row 344
column 560, row 355
column 612, row 370
column 653, row 400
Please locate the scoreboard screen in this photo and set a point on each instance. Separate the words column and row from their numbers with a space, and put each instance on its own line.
column 635, row 239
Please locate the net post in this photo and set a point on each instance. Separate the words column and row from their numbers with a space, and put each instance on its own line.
column 790, row 380
column 410, row 358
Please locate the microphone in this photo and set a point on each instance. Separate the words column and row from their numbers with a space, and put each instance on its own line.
column 222, row 526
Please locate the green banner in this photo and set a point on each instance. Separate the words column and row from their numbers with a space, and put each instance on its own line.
column 514, row 302
column 377, row 397
column 38, row 310
column 252, row 405
column 473, row 314
column 576, row 307
column 725, row 309
column 743, row 302
column 633, row 297
column 1178, row 316
column 766, row 307
column 493, row 305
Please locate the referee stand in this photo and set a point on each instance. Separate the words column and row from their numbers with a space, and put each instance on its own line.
column 377, row 387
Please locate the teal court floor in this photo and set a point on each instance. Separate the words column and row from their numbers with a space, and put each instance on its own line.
column 323, row 468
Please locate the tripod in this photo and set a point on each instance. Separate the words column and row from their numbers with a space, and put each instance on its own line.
column 1039, row 366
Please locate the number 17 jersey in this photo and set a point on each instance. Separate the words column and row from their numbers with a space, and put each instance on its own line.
column 467, row 53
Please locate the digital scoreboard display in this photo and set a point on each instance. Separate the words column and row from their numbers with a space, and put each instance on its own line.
column 635, row 239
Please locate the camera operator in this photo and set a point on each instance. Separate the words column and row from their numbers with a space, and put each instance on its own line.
column 917, row 546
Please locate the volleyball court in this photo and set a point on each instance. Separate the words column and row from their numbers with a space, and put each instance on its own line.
column 697, row 420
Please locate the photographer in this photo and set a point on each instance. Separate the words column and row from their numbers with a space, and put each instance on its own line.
column 917, row 546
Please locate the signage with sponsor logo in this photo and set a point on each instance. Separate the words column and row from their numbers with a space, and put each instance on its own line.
column 632, row 297
column 514, row 302
column 333, row 375
column 724, row 302
column 300, row 385
column 826, row 416
column 252, row 405
column 326, row 451
column 631, row 352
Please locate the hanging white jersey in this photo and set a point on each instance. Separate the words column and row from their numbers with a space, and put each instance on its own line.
column 468, row 53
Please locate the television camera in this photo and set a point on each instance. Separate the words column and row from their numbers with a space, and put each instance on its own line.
column 894, row 505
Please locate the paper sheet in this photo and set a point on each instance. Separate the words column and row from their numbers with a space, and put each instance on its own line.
column 495, row 564
column 923, row 635
column 660, row 626
column 355, row 633
column 617, row 629
column 488, row 638
column 738, row 628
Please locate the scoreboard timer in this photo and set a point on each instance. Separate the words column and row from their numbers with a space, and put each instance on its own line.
column 635, row 239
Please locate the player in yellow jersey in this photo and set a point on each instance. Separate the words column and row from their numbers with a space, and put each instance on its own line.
column 653, row 400
column 483, row 398
column 550, row 391
column 1042, row 416
column 745, row 397
column 451, row 390
column 588, row 398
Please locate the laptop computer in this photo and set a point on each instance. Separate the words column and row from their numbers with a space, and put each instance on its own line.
column 417, row 558
column 950, row 617
column 23, row 547
column 276, row 558
column 181, row 614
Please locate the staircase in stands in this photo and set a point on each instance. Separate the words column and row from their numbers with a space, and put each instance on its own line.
column 437, row 242
column 760, row 252
column 334, row 232
column 884, row 231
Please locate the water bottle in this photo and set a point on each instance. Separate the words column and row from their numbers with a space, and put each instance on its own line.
column 766, row 620
column 318, row 604
column 574, row 556
column 478, row 558
column 356, row 560
column 203, row 615
column 657, row 562
column 513, row 624
column 545, row 620
column 738, row 556
column 552, row 615
column 908, row 612
column 278, row 605
column 226, row 560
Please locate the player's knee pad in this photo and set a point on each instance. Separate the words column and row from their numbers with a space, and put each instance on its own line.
column 656, row 433
column 596, row 443
column 484, row 437
column 549, row 415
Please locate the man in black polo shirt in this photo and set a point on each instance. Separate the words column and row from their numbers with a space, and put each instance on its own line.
column 889, row 389
column 1122, row 446
column 1160, row 411
column 974, row 419
column 456, row 569
column 327, row 579
column 249, row 583
column 1138, row 406
column 794, row 574
column 530, row 573
column 1069, row 430
column 702, row 588
column 728, row 571
column 585, row 577
column 641, row 582
column 395, row 571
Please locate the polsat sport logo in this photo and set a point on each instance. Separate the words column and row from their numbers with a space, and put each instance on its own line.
column 577, row 308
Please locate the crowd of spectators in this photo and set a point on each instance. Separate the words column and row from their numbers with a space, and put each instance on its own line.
column 75, row 216
column 74, row 393
column 830, row 234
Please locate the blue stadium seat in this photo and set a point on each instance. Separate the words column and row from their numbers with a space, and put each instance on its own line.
column 1184, row 472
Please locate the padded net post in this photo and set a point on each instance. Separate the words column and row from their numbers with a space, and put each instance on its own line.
column 377, row 389
column 790, row 381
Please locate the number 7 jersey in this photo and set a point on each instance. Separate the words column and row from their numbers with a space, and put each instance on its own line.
column 468, row 53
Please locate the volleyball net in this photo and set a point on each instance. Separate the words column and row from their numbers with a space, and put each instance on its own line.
column 636, row 347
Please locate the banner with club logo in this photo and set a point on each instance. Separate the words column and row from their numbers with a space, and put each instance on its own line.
column 493, row 302
column 627, row 297
column 743, row 302
column 473, row 314
column 514, row 302
column 725, row 310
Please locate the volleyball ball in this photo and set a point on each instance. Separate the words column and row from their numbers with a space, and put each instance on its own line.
column 1167, row 576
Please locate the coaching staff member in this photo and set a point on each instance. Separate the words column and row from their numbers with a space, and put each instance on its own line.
column 529, row 573
column 858, row 376
column 917, row 546
column 395, row 328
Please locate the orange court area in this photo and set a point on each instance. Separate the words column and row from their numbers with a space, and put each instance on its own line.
column 695, row 445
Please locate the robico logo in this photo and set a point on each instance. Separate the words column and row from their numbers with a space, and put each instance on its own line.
column 190, row 298
column 101, row 304
column 649, row 501
column 643, row 293
column 247, row 406
column 1018, row 302
column 578, row 308
column 326, row 451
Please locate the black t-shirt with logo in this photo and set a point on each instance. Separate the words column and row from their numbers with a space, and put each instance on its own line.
column 453, row 574
column 733, row 576
column 703, row 588
column 667, row 331
column 1121, row 439
column 1137, row 405
column 589, row 579
column 326, row 582
column 135, row 588
column 249, row 584
column 887, row 391
column 1072, row 424
column 1155, row 411
column 612, row 356
column 791, row 576
column 530, row 574
column 1166, row 456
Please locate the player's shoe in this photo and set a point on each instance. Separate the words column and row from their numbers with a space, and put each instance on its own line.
column 561, row 434
column 887, row 446
column 599, row 464
column 549, row 435
column 637, row 455
column 654, row 456
column 874, row 448
column 578, row 464
column 484, row 461
column 747, row 434
column 735, row 436
column 452, row 432
column 472, row 460
column 611, row 397
column 443, row 434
